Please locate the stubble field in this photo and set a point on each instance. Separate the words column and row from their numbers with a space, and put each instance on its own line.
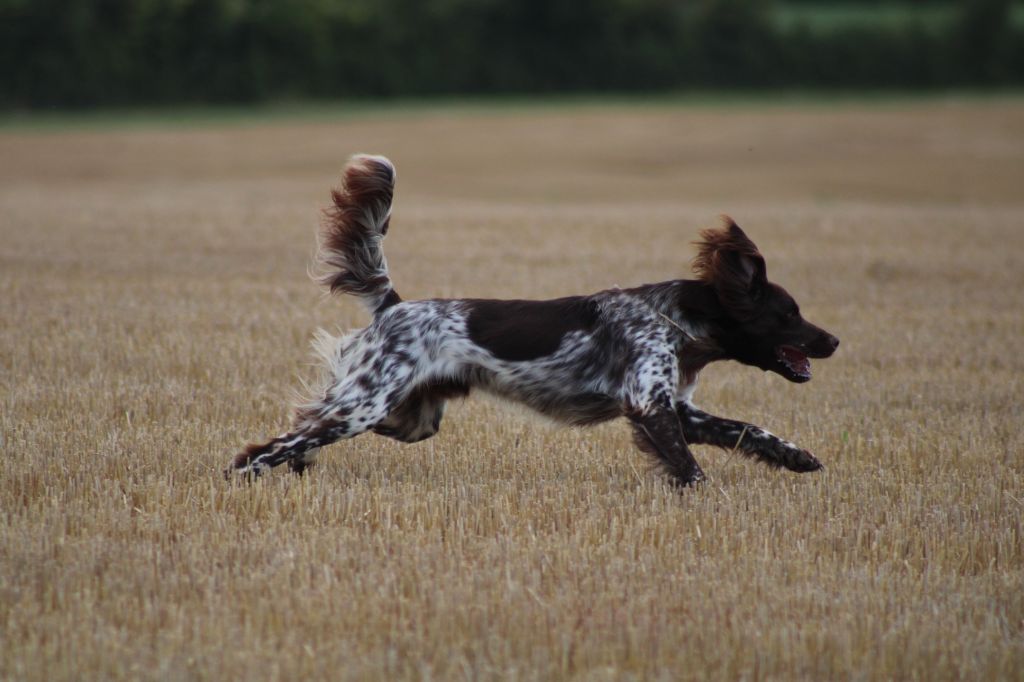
column 156, row 315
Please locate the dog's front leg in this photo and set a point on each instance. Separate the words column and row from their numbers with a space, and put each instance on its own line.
column 657, row 431
column 702, row 428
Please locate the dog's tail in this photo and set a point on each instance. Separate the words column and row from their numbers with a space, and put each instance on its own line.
column 350, row 258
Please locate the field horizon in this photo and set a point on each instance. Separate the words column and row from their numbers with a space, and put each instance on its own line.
column 157, row 316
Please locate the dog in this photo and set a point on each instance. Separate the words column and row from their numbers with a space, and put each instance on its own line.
column 580, row 360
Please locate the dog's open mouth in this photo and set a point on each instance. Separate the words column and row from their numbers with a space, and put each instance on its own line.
column 795, row 360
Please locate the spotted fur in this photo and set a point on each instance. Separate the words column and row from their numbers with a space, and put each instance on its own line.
column 579, row 360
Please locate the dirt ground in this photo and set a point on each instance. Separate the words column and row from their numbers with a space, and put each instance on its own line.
column 156, row 315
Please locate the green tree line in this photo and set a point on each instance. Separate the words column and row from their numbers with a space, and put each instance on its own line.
column 116, row 52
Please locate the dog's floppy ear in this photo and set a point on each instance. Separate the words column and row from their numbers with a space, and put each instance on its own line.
column 730, row 262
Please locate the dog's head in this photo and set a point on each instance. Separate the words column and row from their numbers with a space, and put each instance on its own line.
column 757, row 322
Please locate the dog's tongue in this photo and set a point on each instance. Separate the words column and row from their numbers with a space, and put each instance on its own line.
column 795, row 360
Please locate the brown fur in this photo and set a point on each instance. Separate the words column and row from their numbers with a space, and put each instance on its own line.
column 729, row 261
column 350, row 253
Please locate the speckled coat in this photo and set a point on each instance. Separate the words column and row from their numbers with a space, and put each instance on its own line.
column 580, row 360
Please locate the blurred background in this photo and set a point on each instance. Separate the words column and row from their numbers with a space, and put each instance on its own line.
column 90, row 53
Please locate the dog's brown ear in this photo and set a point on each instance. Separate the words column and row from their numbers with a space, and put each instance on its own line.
column 729, row 261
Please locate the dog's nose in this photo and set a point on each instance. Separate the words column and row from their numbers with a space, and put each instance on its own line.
column 834, row 342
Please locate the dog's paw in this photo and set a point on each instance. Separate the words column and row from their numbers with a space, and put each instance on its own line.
column 688, row 479
column 803, row 462
column 245, row 472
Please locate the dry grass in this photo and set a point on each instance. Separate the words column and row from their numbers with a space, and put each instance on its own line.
column 156, row 315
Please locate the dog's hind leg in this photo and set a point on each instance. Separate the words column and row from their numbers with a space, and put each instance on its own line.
column 702, row 428
column 330, row 419
column 418, row 417
column 298, row 448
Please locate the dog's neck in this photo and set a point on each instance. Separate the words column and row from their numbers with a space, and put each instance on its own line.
column 692, row 307
column 690, row 304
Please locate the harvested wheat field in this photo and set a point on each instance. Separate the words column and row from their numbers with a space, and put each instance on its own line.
column 156, row 315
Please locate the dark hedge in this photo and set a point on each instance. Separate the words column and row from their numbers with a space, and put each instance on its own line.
column 119, row 52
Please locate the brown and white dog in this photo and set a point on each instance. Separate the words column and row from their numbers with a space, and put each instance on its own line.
column 579, row 360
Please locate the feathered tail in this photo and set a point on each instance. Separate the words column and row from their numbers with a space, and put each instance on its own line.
column 350, row 258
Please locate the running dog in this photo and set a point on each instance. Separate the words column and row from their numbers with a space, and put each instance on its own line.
column 580, row 360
